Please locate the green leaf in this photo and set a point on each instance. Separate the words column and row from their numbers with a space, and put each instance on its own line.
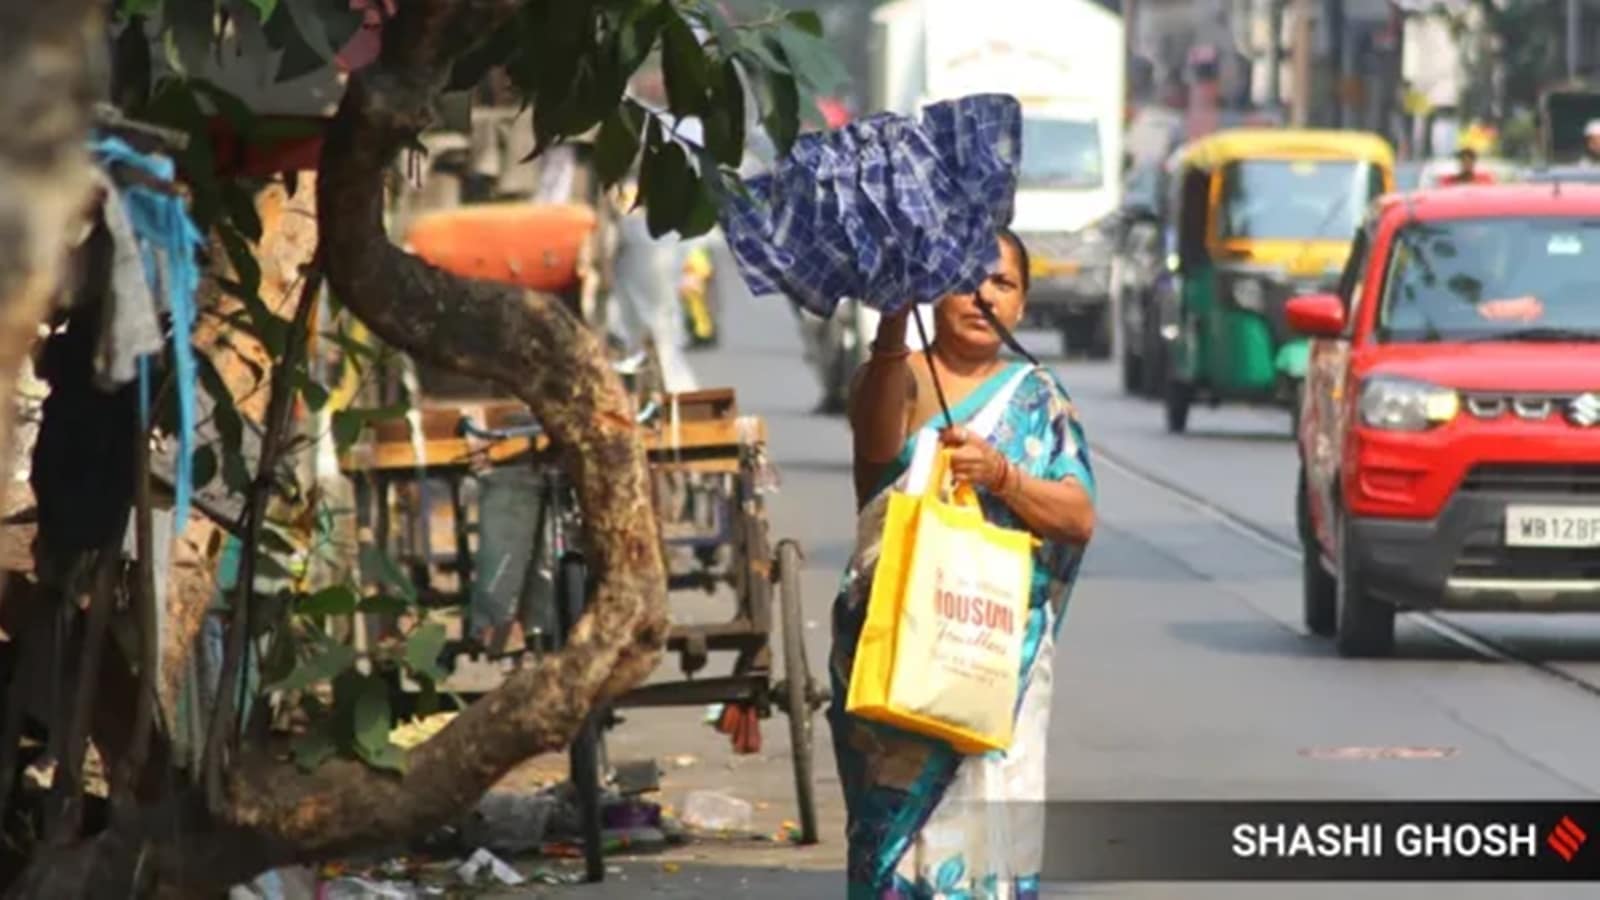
column 471, row 67
column 245, row 264
column 139, row 7
column 325, row 25
column 782, row 120
column 811, row 59
column 702, row 214
column 727, row 39
column 806, row 20
column 224, row 414
column 264, row 8
column 670, row 188
column 328, row 662
column 685, row 68
column 203, row 466
column 337, row 600
column 384, row 605
column 637, row 35
column 347, row 426
column 724, row 123
column 618, row 143
column 389, row 757
column 754, row 49
column 313, row 748
column 371, row 720
column 273, row 541
column 423, row 647
column 427, row 700
column 236, row 472
column 242, row 214
column 316, row 396
column 228, row 105
column 377, row 564
column 190, row 30
column 268, row 567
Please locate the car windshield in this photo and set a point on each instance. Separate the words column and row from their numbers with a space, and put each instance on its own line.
column 1408, row 176
column 1493, row 279
column 1060, row 153
column 1296, row 199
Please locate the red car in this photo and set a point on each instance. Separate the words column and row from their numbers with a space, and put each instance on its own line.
column 1450, row 422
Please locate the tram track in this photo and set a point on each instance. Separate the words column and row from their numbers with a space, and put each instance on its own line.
column 1469, row 639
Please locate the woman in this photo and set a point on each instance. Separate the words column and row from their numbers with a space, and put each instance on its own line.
column 925, row 821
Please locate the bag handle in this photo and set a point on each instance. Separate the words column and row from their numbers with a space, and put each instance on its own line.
column 1006, row 337
column 959, row 493
column 927, row 351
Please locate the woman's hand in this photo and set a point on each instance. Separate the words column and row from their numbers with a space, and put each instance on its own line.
column 973, row 459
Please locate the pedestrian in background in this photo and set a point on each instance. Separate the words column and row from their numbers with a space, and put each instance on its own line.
column 924, row 820
column 1466, row 170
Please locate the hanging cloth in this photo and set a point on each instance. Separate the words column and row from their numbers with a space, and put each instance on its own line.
column 169, row 244
column 887, row 210
column 131, row 327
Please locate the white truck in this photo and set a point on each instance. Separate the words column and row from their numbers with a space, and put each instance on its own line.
column 1064, row 61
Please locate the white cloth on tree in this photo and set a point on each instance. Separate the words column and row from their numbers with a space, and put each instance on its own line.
column 131, row 325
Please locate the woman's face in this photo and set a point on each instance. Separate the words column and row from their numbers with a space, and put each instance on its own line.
column 957, row 319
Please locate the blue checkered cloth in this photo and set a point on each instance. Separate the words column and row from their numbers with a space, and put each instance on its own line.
column 886, row 210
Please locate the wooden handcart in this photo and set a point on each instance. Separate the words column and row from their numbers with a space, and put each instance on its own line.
column 703, row 455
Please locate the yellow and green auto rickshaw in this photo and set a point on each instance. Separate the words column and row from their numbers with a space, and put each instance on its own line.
column 1259, row 216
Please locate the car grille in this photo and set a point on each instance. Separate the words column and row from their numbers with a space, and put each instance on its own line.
column 1484, row 555
column 1534, row 478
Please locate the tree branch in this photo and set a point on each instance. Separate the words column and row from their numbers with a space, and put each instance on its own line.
column 222, row 730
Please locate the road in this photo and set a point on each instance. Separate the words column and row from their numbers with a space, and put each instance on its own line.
column 1183, row 670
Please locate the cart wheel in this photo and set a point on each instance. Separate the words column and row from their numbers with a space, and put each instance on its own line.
column 797, row 678
column 584, row 756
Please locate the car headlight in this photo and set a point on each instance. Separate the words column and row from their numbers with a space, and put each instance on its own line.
column 1400, row 404
column 1249, row 294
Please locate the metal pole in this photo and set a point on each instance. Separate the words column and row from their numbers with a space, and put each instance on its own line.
column 1573, row 21
column 1300, row 112
column 1275, row 54
column 1336, row 66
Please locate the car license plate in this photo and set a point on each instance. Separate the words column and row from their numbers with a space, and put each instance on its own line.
column 1552, row 526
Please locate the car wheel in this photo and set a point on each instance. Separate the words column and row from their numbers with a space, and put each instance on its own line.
column 1366, row 624
column 1319, row 590
column 1179, row 397
column 1154, row 364
column 1132, row 376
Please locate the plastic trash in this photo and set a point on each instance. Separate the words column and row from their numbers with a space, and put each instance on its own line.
column 717, row 811
column 353, row 888
column 481, row 863
column 508, row 822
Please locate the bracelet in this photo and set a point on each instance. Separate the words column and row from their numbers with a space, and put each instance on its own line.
column 1012, row 482
column 879, row 353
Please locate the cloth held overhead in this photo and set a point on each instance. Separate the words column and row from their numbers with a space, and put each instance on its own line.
column 886, row 210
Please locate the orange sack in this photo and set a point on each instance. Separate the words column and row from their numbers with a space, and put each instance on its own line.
column 532, row 245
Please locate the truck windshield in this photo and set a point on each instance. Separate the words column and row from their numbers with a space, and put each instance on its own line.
column 1296, row 200
column 1493, row 279
column 1060, row 153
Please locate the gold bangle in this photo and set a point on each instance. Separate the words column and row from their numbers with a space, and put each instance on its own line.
column 879, row 353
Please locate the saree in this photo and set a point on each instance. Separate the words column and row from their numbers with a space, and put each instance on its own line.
column 924, row 821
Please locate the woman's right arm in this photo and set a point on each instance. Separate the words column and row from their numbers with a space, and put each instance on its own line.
column 880, row 395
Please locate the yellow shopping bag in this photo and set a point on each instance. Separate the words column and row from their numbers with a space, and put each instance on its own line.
column 942, row 639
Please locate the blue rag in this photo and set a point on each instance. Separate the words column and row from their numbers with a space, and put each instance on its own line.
column 169, row 243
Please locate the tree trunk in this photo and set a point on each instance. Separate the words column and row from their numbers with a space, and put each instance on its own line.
column 535, row 348
column 44, row 168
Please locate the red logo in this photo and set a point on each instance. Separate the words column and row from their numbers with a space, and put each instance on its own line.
column 1566, row 838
